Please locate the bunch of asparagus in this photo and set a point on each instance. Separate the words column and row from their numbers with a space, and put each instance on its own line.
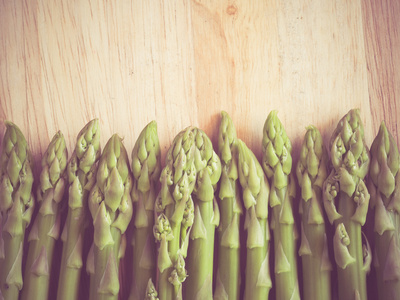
column 199, row 227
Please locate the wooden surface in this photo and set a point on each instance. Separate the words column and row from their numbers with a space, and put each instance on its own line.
column 180, row 62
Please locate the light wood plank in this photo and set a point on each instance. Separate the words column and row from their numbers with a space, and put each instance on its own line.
column 382, row 43
column 182, row 62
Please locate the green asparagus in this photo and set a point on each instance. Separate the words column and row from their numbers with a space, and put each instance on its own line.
column 16, row 208
column 228, row 277
column 311, row 173
column 146, row 166
column 346, row 200
column 175, row 214
column 81, row 171
column 46, row 226
column 110, row 205
column 277, row 164
column 384, row 186
column 200, row 259
column 256, row 190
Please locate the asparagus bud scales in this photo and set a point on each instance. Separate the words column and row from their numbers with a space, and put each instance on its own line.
column 16, row 208
column 277, row 164
column 151, row 292
column 146, row 167
column 384, row 182
column 46, row 226
column 110, row 205
column 81, row 171
column 345, row 185
column 228, row 270
column 255, row 199
column 311, row 173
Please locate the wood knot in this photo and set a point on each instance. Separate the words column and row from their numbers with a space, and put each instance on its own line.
column 231, row 10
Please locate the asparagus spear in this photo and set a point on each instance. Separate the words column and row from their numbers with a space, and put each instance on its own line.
column 175, row 210
column 346, row 201
column 384, row 184
column 311, row 173
column 46, row 225
column 16, row 208
column 200, row 262
column 277, row 164
column 255, row 198
column 228, row 276
column 110, row 205
column 146, row 168
column 81, row 171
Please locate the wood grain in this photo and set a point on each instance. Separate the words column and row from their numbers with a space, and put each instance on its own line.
column 180, row 62
column 382, row 38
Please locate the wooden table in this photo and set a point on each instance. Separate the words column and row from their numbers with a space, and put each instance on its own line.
column 181, row 63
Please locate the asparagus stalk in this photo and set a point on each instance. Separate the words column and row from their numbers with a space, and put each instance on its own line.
column 346, row 200
column 16, row 208
column 110, row 205
column 277, row 164
column 175, row 210
column 46, row 227
column 200, row 262
column 81, row 171
column 311, row 173
column 384, row 184
column 256, row 190
column 228, row 277
column 146, row 166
